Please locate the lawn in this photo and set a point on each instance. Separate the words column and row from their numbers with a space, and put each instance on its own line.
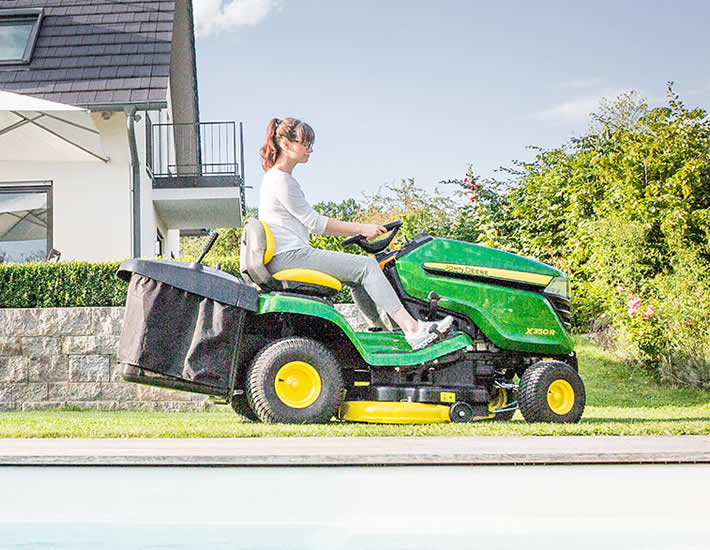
column 620, row 401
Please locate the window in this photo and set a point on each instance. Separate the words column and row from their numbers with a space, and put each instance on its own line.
column 18, row 35
column 25, row 223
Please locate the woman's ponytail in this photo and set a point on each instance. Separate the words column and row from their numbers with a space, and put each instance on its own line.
column 291, row 129
column 270, row 151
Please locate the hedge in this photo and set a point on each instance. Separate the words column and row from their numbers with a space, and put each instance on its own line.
column 61, row 284
column 78, row 284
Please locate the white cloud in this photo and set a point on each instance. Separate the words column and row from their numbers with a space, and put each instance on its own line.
column 216, row 15
column 576, row 110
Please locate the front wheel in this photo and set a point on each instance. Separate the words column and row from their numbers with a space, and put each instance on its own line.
column 551, row 391
column 502, row 398
column 295, row 381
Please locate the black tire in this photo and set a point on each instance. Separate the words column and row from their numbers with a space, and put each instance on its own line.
column 538, row 399
column 291, row 407
column 240, row 404
column 510, row 397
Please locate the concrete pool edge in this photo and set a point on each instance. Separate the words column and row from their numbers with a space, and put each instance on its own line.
column 357, row 451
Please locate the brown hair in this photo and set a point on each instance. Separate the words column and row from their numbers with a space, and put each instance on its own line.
column 289, row 128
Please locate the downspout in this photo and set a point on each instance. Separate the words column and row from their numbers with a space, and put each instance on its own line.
column 130, row 111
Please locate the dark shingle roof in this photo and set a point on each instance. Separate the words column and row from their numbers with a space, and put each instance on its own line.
column 97, row 52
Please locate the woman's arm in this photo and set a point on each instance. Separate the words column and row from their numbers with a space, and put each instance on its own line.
column 342, row 229
column 291, row 197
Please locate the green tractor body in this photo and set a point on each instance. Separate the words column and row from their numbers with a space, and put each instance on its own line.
column 375, row 348
column 296, row 358
column 507, row 297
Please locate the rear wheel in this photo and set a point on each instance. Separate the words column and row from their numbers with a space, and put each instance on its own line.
column 551, row 391
column 295, row 380
column 240, row 404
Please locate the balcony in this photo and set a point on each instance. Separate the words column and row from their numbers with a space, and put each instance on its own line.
column 197, row 180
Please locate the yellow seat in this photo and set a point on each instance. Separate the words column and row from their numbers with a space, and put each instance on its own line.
column 310, row 276
column 257, row 250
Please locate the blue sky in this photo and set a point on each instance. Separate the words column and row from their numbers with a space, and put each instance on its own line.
column 397, row 89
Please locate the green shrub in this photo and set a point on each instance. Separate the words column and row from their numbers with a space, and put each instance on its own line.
column 226, row 246
column 60, row 284
column 82, row 284
column 669, row 331
column 626, row 205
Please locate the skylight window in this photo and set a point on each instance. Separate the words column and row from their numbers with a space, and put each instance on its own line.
column 18, row 34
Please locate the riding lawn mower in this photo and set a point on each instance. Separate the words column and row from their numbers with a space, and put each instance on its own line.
column 275, row 347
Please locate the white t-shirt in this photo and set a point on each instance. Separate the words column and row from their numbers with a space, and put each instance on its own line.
column 283, row 206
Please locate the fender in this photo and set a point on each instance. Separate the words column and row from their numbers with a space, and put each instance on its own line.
column 375, row 348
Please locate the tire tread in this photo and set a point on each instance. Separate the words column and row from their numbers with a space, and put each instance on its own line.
column 530, row 393
column 257, row 372
column 240, row 405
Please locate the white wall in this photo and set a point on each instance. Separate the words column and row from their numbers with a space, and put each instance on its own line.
column 172, row 243
column 91, row 200
column 92, row 203
column 150, row 218
column 159, row 225
column 147, row 221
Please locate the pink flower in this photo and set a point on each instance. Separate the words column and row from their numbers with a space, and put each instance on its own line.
column 634, row 305
column 633, row 301
column 465, row 180
column 620, row 289
column 648, row 313
column 473, row 199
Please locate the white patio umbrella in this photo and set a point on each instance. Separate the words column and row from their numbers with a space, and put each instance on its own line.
column 34, row 129
column 23, row 217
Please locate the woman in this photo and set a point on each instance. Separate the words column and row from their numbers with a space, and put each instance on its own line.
column 283, row 206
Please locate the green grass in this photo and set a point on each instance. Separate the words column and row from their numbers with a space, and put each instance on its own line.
column 621, row 400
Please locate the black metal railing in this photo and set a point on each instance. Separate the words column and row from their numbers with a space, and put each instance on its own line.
column 202, row 154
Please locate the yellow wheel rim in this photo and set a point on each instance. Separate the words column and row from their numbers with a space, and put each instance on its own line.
column 500, row 399
column 297, row 384
column 560, row 397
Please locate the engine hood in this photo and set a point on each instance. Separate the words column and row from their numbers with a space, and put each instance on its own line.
column 458, row 258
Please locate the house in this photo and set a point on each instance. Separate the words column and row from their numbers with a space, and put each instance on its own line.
column 102, row 152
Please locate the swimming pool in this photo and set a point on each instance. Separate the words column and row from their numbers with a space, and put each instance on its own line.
column 493, row 507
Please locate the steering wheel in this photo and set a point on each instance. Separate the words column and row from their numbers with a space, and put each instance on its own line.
column 376, row 246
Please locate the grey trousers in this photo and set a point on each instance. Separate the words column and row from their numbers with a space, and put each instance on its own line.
column 370, row 288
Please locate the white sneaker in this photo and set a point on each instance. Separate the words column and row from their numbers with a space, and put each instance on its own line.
column 428, row 332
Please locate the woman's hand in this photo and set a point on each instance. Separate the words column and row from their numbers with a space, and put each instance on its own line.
column 372, row 230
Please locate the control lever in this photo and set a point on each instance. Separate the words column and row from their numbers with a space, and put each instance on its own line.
column 433, row 298
column 205, row 250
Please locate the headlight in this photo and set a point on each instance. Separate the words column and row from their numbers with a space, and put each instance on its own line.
column 559, row 286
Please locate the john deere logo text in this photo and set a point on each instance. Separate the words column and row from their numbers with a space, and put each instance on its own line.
column 458, row 268
column 491, row 273
column 532, row 331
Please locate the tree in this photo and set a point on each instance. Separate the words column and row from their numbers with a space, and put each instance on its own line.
column 625, row 206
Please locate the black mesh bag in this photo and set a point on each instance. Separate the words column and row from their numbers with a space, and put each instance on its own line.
column 178, row 333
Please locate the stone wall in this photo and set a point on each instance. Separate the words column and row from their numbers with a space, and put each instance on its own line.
column 66, row 357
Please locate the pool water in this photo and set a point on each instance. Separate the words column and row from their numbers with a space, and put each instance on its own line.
column 453, row 507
